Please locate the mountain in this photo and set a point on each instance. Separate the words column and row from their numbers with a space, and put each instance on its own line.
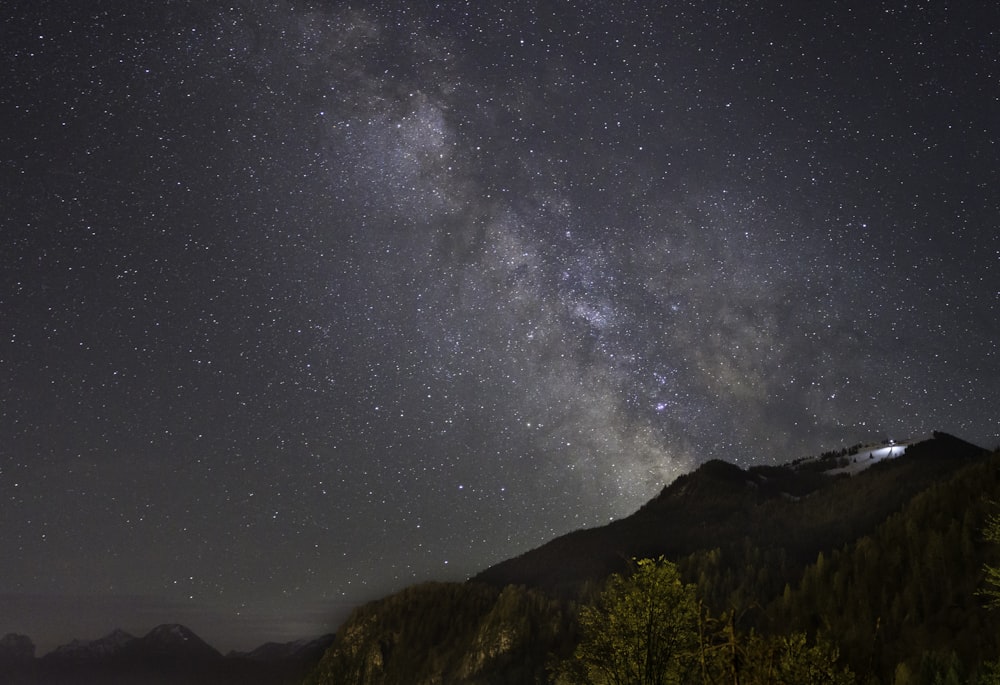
column 17, row 659
column 879, row 546
column 276, row 663
column 448, row 633
column 172, row 641
column 286, row 651
column 797, row 508
column 101, row 649
column 169, row 654
column 16, row 648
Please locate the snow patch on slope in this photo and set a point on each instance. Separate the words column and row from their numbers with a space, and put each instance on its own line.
column 871, row 455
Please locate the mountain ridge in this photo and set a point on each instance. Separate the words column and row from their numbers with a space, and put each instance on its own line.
column 716, row 499
column 756, row 538
column 168, row 653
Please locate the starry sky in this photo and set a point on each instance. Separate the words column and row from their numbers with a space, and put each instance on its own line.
column 303, row 302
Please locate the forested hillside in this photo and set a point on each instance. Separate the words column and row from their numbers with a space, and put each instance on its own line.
column 883, row 565
column 450, row 633
column 907, row 598
column 784, row 513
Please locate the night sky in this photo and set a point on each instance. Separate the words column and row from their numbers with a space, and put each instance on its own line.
column 303, row 302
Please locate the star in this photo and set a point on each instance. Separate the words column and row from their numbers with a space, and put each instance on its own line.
column 302, row 301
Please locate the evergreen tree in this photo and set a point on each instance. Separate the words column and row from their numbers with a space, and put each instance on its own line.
column 992, row 590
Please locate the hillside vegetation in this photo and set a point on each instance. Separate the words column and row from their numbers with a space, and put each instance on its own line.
column 883, row 567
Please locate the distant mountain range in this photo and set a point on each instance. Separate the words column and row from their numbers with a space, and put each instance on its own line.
column 169, row 653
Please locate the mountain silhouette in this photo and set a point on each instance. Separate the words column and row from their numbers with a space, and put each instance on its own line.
column 720, row 503
column 882, row 541
column 169, row 654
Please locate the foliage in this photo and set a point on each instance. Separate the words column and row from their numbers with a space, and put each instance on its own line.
column 648, row 629
column 447, row 632
column 990, row 674
column 991, row 531
column 642, row 629
column 791, row 660
column 908, row 592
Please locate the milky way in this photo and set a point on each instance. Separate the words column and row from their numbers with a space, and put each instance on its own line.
column 304, row 302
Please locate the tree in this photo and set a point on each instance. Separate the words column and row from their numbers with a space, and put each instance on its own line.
column 641, row 630
column 791, row 660
column 731, row 658
column 991, row 531
column 992, row 590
